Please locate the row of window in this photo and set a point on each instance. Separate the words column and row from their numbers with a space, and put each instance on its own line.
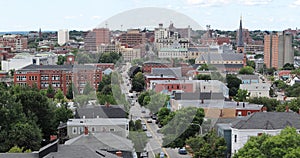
column 79, row 130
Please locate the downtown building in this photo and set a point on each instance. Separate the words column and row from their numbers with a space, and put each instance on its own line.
column 61, row 76
column 278, row 49
column 12, row 43
column 62, row 37
column 95, row 38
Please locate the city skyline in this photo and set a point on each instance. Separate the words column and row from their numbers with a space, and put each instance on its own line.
column 220, row 14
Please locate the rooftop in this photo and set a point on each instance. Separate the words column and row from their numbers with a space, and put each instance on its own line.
column 220, row 57
column 268, row 121
column 98, row 121
column 167, row 71
column 112, row 111
column 248, row 77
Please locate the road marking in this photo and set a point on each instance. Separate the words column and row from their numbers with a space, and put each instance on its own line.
column 156, row 138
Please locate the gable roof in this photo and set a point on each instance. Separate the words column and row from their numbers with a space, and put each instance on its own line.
column 167, row 71
column 269, row 121
column 112, row 111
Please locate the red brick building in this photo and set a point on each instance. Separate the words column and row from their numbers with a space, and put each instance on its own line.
column 14, row 42
column 149, row 78
column 133, row 37
column 95, row 38
column 59, row 76
column 148, row 65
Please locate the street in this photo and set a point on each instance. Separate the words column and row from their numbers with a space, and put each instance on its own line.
column 154, row 145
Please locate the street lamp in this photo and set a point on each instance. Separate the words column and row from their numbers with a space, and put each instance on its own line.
column 200, row 130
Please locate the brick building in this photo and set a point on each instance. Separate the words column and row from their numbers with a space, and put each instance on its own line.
column 13, row 42
column 133, row 37
column 148, row 65
column 95, row 38
column 59, row 76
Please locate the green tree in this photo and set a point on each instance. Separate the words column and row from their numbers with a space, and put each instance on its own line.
column 191, row 61
column 271, row 104
column 59, row 95
column 203, row 77
column 156, row 102
column 61, row 60
column 162, row 114
column 109, row 57
column 182, row 126
column 16, row 149
column 50, row 91
column 139, row 139
column 293, row 91
column 233, row 83
column 280, row 84
column 251, row 63
column 248, row 70
column 207, row 146
column 288, row 66
column 138, row 82
column 241, row 95
column 62, row 114
column 87, row 89
column 69, row 94
column 286, row 144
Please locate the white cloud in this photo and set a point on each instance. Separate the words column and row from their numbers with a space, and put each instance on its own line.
column 95, row 17
column 205, row 3
column 255, row 2
column 296, row 3
column 70, row 17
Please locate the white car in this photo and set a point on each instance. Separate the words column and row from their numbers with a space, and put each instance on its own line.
column 149, row 135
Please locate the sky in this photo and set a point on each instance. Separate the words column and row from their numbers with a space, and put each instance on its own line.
column 27, row 15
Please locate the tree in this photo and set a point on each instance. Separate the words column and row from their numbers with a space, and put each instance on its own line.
column 157, row 101
column 181, row 127
column 203, row 77
column 59, row 95
column 207, row 146
column 288, row 66
column 241, row 95
column 138, row 82
column 259, row 56
column 50, row 91
column 109, row 57
column 87, row 89
column 69, row 94
column 62, row 114
column 270, row 104
column 233, row 83
column 293, row 91
column 16, row 149
column 251, row 63
column 61, row 60
column 191, row 61
column 286, row 144
column 248, row 70
column 162, row 114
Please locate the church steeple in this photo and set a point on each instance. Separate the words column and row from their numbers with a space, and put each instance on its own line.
column 240, row 41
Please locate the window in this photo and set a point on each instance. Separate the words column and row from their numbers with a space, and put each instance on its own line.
column 177, row 86
column 74, row 130
column 112, row 130
column 259, row 134
column 239, row 113
column 235, row 138
column 248, row 112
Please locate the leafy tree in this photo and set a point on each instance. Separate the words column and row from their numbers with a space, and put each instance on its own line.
column 280, row 84
column 156, row 102
column 233, row 83
column 248, row 70
column 16, row 149
column 59, row 95
column 181, row 126
column 61, row 60
column 163, row 113
column 62, row 114
column 50, row 91
column 138, row 82
column 259, row 56
column 109, row 57
column 69, row 94
column 293, row 91
column 296, row 71
column 139, row 139
column 293, row 105
column 241, row 95
column 191, row 61
column 270, row 71
column 203, row 77
column 87, row 89
column 208, row 146
column 286, row 144
column 251, row 63
column 288, row 66
column 271, row 104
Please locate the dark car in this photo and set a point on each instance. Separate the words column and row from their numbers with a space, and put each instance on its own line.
column 182, row 151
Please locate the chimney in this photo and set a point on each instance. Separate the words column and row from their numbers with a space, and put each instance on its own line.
column 243, row 104
column 119, row 153
column 221, row 112
column 107, row 104
column 286, row 108
column 161, row 75
column 86, row 131
column 202, row 101
column 264, row 109
column 237, row 103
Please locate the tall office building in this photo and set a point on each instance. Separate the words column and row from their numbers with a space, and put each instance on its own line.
column 95, row 38
column 62, row 37
column 278, row 49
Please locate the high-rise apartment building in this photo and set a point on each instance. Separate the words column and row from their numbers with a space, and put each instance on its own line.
column 62, row 36
column 95, row 38
column 278, row 49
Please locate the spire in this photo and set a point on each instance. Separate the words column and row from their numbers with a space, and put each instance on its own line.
column 240, row 38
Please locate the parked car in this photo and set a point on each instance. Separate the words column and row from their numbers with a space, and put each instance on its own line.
column 149, row 135
column 143, row 111
column 144, row 127
column 149, row 120
column 182, row 151
column 154, row 117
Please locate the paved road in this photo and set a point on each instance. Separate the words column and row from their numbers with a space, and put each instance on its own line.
column 154, row 145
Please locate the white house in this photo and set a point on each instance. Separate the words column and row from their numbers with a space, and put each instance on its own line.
column 258, row 123
column 118, row 126
column 257, row 89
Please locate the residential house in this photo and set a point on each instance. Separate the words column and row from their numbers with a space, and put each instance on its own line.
column 257, row 89
column 261, row 122
column 248, row 79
